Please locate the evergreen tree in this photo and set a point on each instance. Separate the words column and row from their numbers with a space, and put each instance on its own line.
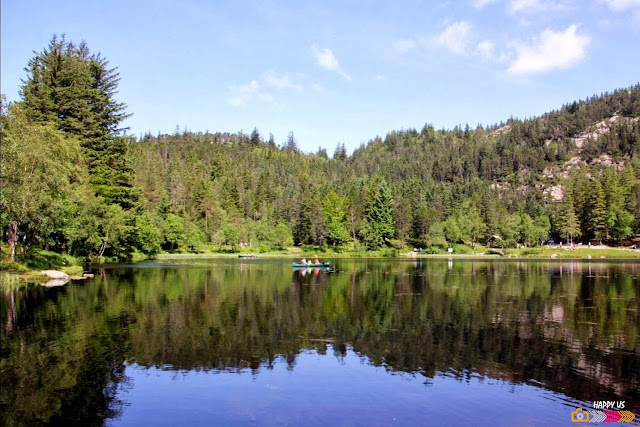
column 380, row 216
column 619, row 220
column 567, row 220
column 581, row 190
column 291, row 144
column 340, row 153
column 255, row 139
column 75, row 89
column 598, row 215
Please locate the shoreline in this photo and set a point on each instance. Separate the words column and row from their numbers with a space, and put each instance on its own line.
column 544, row 253
column 13, row 279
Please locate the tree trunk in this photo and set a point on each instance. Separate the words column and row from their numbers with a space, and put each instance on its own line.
column 12, row 237
column 103, row 247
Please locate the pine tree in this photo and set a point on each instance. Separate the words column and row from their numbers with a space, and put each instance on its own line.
column 598, row 215
column 255, row 139
column 580, row 188
column 567, row 220
column 74, row 89
column 380, row 216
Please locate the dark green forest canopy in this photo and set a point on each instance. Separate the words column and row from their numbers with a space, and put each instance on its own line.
column 447, row 186
column 571, row 174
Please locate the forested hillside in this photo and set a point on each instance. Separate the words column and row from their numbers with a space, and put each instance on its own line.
column 462, row 185
column 74, row 182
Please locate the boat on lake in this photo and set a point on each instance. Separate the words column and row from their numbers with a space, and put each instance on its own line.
column 247, row 256
column 320, row 265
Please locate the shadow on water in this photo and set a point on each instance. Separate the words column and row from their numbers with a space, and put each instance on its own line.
column 569, row 328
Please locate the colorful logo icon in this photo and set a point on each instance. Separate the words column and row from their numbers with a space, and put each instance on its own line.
column 580, row 416
column 594, row 416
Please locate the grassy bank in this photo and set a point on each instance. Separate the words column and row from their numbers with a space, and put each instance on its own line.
column 26, row 268
column 579, row 253
column 459, row 251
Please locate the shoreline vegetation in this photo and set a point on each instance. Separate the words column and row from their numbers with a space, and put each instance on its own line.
column 77, row 189
column 27, row 269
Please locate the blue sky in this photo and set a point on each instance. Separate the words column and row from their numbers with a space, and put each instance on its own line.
column 337, row 71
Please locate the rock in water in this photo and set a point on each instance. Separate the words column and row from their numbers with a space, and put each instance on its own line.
column 55, row 282
column 54, row 274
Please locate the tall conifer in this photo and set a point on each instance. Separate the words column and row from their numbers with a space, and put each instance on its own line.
column 74, row 89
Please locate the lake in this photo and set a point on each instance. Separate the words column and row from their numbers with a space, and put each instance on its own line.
column 373, row 342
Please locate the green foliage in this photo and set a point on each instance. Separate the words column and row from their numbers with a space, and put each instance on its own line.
column 231, row 235
column 73, row 89
column 451, row 230
column 598, row 214
column 283, row 237
column 542, row 225
column 337, row 233
column 509, row 229
column 380, row 220
column 194, row 237
column 148, row 235
column 40, row 168
column 486, row 181
column 472, row 226
column 436, row 237
column 461, row 249
column 47, row 260
column 567, row 220
column 174, row 231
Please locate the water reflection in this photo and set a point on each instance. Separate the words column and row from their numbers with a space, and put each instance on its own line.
column 568, row 328
column 335, row 387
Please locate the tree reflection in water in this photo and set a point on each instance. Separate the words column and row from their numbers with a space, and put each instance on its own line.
column 568, row 327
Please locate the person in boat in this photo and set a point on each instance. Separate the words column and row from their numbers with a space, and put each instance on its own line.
column 315, row 261
column 303, row 262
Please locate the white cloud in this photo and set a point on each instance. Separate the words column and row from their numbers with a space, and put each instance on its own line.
column 404, row 45
column 326, row 59
column 272, row 79
column 486, row 50
column 479, row 4
column 536, row 6
column 622, row 5
column 456, row 37
column 551, row 50
column 242, row 94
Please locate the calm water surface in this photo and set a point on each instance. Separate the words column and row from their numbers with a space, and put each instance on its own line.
column 375, row 342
